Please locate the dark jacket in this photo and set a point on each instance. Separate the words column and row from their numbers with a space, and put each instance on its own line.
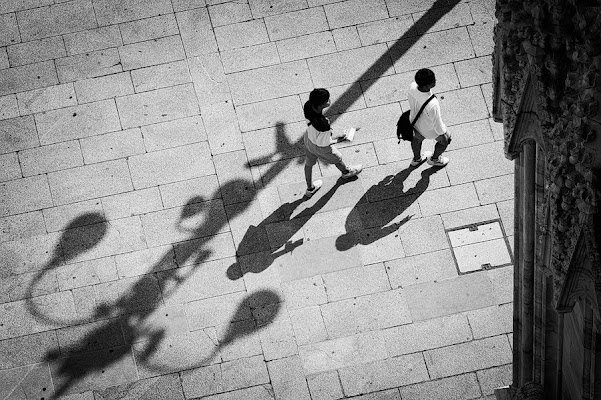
column 315, row 118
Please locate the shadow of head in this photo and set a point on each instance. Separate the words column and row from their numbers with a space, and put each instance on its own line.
column 82, row 234
column 265, row 305
column 346, row 241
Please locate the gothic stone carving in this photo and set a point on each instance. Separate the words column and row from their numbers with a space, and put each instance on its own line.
column 556, row 44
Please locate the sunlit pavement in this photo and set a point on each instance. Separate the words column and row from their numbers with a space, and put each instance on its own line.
column 154, row 239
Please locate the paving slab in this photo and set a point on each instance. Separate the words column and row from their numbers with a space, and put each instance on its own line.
column 325, row 386
column 432, row 49
column 36, row 51
column 151, row 52
column 30, row 380
column 108, row 12
column 458, row 387
column 25, row 194
column 474, row 355
column 165, row 387
column 57, row 19
column 45, row 99
column 365, row 313
column 426, row 335
column 157, row 106
column 8, row 104
column 225, row 377
column 4, row 59
column 9, row 29
column 343, row 352
column 92, row 39
column 21, row 226
column 493, row 378
column 308, row 327
column 270, row 82
column 350, row 66
column 229, row 13
column 88, row 65
column 262, row 9
column 450, row 296
column 385, row 374
column 154, row 238
column 287, row 379
column 148, row 28
column 10, row 167
column 28, row 77
column 296, row 23
column 26, row 350
column 104, row 87
column 250, row 57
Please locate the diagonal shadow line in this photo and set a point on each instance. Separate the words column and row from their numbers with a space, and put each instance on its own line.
column 381, row 65
column 395, row 52
column 379, row 68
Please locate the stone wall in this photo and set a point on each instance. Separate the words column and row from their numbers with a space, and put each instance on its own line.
column 555, row 46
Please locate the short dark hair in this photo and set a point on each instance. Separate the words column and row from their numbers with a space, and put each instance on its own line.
column 319, row 96
column 424, row 77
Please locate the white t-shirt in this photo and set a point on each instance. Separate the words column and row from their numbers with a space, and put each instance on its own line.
column 429, row 124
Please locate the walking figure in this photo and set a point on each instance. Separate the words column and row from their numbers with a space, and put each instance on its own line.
column 429, row 125
column 319, row 141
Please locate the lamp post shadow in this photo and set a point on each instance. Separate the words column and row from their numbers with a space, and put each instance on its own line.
column 69, row 369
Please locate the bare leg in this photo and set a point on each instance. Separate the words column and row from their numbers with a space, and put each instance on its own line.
column 342, row 167
column 416, row 146
column 309, row 176
column 441, row 145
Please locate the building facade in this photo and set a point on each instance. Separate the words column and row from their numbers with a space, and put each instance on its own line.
column 547, row 92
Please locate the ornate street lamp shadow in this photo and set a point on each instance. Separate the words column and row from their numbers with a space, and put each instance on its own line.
column 66, row 368
column 129, row 311
column 138, row 303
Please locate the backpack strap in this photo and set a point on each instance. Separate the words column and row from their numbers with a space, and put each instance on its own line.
column 422, row 109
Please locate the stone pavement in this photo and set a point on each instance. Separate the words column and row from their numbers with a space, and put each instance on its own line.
column 154, row 243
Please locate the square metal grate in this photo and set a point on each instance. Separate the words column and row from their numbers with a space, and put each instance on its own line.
column 479, row 246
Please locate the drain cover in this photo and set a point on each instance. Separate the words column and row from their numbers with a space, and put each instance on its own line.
column 479, row 246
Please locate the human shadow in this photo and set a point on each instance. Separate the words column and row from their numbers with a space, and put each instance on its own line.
column 142, row 299
column 72, row 370
column 371, row 217
column 282, row 241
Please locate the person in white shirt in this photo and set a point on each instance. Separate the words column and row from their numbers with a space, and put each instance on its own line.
column 429, row 125
column 319, row 139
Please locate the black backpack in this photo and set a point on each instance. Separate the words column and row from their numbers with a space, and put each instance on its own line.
column 404, row 128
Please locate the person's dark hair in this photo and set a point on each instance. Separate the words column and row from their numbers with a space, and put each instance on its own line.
column 319, row 96
column 424, row 77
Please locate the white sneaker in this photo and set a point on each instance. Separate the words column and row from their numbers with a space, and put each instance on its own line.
column 441, row 162
column 352, row 171
column 316, row 185
column 424, row 157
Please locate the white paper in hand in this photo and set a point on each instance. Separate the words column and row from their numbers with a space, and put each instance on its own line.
column 350, row 134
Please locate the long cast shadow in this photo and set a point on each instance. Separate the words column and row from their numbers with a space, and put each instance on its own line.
column 284, row 244
column 383, row 63
column 124, row 304
column 140, row 301
column 342, row 103
column 380, row 205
